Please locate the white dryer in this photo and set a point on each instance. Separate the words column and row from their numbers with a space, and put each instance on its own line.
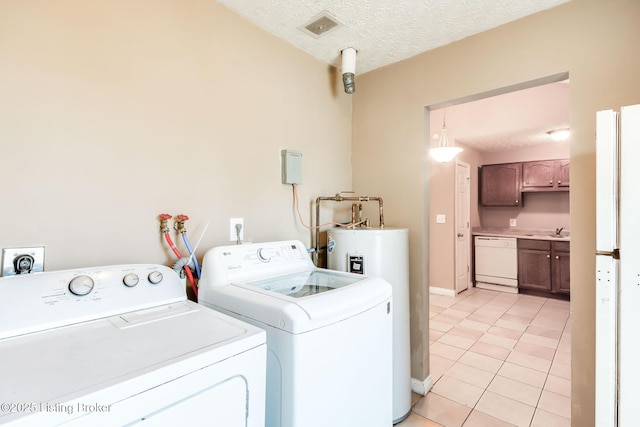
column 328, row 333
column 122, row 345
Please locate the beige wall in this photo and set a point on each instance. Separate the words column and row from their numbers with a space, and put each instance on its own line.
column 592, row 40
column 112, row 112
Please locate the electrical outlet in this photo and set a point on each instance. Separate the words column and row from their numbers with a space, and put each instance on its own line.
column 512, row 222
column 22, row 260
column 440, row 219
column 235, row 234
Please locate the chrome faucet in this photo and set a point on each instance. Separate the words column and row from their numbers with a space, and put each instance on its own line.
column 559, row 230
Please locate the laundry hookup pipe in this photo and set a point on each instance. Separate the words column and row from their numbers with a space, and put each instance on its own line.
column 179, row 227
column 195, row 260
column 164, row 229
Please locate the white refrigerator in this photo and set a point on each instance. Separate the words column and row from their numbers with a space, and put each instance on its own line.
column 618, row 267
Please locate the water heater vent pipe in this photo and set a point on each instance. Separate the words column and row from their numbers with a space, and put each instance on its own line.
column 349, row 69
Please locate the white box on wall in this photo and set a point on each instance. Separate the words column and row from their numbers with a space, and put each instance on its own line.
column 291, row 167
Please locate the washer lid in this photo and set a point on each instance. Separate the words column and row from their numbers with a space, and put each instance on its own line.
column 303, row 301
column 305, row 283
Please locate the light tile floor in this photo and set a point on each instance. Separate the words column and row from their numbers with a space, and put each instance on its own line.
column 496, row 360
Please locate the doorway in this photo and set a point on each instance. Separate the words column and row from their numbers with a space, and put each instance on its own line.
column 500, row 126
column 477, row 130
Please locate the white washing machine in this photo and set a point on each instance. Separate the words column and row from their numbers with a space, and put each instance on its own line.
column 122, row 345
column 328, row 333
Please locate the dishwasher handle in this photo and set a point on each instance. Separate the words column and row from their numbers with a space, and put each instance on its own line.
column 494, row 241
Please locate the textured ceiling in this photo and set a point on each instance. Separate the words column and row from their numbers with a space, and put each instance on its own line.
column 387, row 31
column 512, row 120
column 383, row 31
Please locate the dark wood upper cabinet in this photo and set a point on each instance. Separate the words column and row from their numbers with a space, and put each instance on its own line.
column 562, row 171
column 537, row 174
column 500, row 184
column 545, row 175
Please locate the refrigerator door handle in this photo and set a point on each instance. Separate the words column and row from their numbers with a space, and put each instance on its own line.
column 615, row 254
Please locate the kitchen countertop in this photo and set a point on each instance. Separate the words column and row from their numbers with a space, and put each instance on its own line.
column 521, row 233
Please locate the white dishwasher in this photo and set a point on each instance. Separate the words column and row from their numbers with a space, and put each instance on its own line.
column 496, row 263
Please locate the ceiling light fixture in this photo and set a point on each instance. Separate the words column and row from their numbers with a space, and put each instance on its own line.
column 444, row 153
column 559, row 134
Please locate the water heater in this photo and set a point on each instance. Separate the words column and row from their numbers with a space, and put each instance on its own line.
column 382, row 252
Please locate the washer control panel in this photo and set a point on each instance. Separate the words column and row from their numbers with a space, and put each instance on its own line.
column 239, row 263
column 40, row 301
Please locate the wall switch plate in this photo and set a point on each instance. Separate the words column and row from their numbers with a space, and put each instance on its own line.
column 22, row 260
column 236, row 235
column 440, row 219
column 512, row 222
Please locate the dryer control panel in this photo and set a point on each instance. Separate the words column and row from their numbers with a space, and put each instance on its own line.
column 40, row 301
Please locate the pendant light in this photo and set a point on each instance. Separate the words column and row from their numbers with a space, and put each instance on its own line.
column 444, row 153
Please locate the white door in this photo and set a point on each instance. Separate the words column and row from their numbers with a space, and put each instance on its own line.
column 629, row 285
column 606, row 268
column 617, row 377
column 462, row 229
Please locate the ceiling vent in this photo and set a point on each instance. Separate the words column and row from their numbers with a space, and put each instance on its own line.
column 321, row 24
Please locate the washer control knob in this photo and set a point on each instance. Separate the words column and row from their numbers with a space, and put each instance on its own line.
column 131, row 280
column 81, row 285
column 264, row 255
column 155, row 277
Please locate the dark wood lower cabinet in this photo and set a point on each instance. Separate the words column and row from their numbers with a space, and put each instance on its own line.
column 543, row 267
column 560, row 266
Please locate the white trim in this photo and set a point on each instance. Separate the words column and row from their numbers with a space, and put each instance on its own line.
column 442, row 291
column 421, row 387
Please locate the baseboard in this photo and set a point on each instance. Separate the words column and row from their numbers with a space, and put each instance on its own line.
column 442, row 291
column 421, row 387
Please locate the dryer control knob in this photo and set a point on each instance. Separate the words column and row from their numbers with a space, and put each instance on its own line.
column 264, row 255
column 81, row 285
column 155, row 277
column 131, row 280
